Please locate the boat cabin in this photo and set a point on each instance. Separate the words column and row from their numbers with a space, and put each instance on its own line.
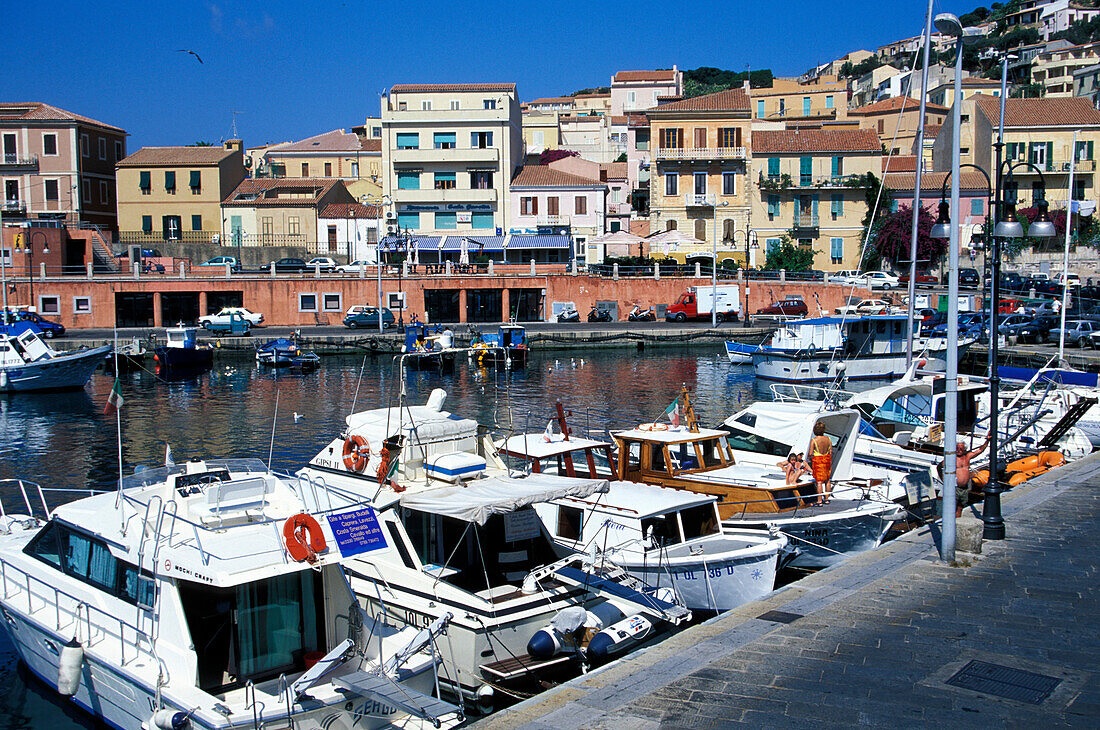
column 918, row 403
column 22, row 347
column 818, row 333
column 570, row 456
column 182, row 337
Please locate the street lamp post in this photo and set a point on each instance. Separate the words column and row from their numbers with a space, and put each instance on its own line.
column 28, row 251
column 714, row 268
column 749, row 233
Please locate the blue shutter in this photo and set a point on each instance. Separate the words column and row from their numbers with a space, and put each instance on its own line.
column 409, row 220
column 773, row 206
column 481, row 220
column 977, row 206
column 446, row 221
column 773, row 167
column 836, row 248
column 760, row 109
column 408, row 181
column 806, row 171
column 771, row 244
column 836, row 167
column 408, row 140
column 813, row 209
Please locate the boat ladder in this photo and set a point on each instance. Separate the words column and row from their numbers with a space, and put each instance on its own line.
column 1068, row 421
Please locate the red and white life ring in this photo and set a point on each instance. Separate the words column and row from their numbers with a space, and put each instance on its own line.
column 356, row 453
column 304, row 538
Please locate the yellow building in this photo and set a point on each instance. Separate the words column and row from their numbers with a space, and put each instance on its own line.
column 787, row 99
column 896, row 121
column 175, row 193
column 700, row 160
column 1054, row 69
column 280, row 211
column 808, row 189
column 353, row 158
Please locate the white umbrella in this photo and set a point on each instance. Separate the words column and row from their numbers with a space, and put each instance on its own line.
column 415, row 258
column 464, row 254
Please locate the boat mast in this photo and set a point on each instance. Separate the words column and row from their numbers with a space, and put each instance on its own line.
column 689, row 411
column 916, row 188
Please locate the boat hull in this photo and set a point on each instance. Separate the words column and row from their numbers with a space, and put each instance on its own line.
column 184, row 357
column 790, row 368
column 64, row 372
column 739, row 353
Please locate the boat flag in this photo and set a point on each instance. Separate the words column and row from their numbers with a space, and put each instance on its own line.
column 115, row 399
column 168, row 455
column 548, row 434
column 673, row 412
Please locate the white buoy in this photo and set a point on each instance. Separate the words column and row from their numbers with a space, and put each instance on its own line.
column 3, row 378
column 170, row 720
column 69, row 665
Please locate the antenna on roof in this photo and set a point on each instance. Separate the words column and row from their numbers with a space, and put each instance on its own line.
column 233, row 131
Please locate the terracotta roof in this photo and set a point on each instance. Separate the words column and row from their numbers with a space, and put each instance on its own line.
column 1070, row 111
column 260, row 187
column 38, row 111
column 620, row 120
column 628, row 76
column 370, row 145
column 899, row 163
column 335, row 141
column 637, row 120
column 979, row 81
column 425, row 88
column 593, row 96
column 159, row 156
column 816, row 140
column 933, row 181
column 537, row 176
column 734, row 100
column 553, row 100
column 895, row 103
column 350, row 210
column 931, row 131
column 614, row 170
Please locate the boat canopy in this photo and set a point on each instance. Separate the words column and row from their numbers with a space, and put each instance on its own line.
column 420, row 424
column 535, row 445
column 478, row 500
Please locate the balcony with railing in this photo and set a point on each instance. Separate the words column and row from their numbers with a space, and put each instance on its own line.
column 14, row 206
column 18, row 163
column 445, row 195
column 701, row 153
column 1055, row 166
column 552, row 220
column 484, row 155
column 806, row 222
column 696, row 200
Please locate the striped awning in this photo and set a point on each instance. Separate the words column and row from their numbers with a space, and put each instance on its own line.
column 477, row 244
column 422, row 243
column 547, row 241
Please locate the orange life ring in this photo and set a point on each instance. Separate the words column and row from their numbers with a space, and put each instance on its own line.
column 303, row 537
column 652, row 427
column 384, row 471
column 355, row 454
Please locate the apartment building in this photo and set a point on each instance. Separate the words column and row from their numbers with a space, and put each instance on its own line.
column 168, row 194
column 281, row 212
column 59, row 165
column 865, row 89
column 354, row 158
column 700, row 184
column 636, row 91
column 1086, row 83
column 809, row 190
column 1054, row 69
column 448, row 154
column 545, row 199
column 943, row 93
column 1060, row 14
column 896, row 121
column 826, row 97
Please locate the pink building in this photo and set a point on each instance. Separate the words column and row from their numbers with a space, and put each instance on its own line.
column 635, row 91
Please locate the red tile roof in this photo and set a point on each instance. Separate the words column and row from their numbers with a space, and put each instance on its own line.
column 537, row 176
column 371, row 145
column 350, row 210
column 815, row 140
column 335, row 141
column 979, row 81
column 1064, row 112
column 931, row 131
column 899, row 163
column 38, row 111
column 933, row 181
column 315, row 188
column 734, row 100
column 614, row 170
column 895, row 103
column 553, row 100
column 427, row 88
column 637, row 120
column 628, row 76
column 174, row 156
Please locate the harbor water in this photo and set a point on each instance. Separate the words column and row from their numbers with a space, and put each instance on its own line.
column 66, row 440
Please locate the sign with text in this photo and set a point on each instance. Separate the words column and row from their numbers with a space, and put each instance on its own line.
column 357, row 532
column 522, row 525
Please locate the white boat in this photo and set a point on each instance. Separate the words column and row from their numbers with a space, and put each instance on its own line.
column 664, row 537
column 853, row 348
column 459, row 534
column 27, row 363
column 190, row 599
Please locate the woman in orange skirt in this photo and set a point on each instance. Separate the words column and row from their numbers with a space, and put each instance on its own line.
column 821, row 461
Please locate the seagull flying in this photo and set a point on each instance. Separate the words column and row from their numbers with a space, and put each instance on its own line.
column 184, row 50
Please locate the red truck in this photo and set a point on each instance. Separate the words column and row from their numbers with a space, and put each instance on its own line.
column 697, row 303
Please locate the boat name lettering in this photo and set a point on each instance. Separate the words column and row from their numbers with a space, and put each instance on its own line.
column 325, row 463
column 187, row 572
column 612, row 525
column 357, row 532
column 373, row 708
column 413, row 618
column 820, row 535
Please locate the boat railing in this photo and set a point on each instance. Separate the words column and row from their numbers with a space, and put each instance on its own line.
column 23, row 484
column 797, row 500
column 42, row 596
column 795, row 393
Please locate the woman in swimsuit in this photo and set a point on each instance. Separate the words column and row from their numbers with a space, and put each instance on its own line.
column 821, row 458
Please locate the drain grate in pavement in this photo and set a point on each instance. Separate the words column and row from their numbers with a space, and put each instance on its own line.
column 1007, row 682
column 779, row 617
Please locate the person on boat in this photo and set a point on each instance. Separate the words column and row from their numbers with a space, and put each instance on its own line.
column 793, row 468
column 963, row 477
column 821, row 462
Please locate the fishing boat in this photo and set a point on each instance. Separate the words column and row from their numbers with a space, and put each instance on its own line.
column 740, row 353
column 427, row 350
column 28, row 364
column 825, row 349
column 459, row 534
column 181, row 350
column 285, row 352
column 507, row 346
column 208, row 595
column 129, row 356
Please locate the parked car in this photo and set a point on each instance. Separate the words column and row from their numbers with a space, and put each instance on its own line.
column 1077, row 331
column 223, row 261
column 324, row 263
column 1012, row 282
column 223, row 317
column 1047, row 306
column 1038, row 329
column 367, row 317
column 48, row 328
column 856, row 305
column 845, row 276
column 354, row 266
column 969, row 279
column 880, row 280
column 971, row 324
column 1010, row 321
column 789, row 307
column 923, row 279
column 290, row 264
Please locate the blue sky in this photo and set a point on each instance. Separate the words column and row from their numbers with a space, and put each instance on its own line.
column 293, row 69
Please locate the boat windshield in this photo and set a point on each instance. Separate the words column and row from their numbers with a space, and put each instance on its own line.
column 745, row 441
column 255, row 631
column 145, row 477
column 699, row 521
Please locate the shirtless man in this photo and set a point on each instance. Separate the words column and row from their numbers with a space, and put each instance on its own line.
column 962, row 474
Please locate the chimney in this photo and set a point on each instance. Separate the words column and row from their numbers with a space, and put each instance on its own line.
column 236, row 145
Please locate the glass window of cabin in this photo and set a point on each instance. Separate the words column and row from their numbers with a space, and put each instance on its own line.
column 684, row 456
column 711, row 452
column 136, row 586
column 699, row 521
column 657, row 458
column 46, row 545
column 102, row 567
column 75, row 551
column 744, row 441
column 570, row 521
column 665, row 529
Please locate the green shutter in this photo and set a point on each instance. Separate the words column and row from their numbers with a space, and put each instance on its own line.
column 836, row 166
column 806, row 170
column 144, row 181
column 814, row 208
column 146, row 223
column 1011, row 151
column 169, row 179
column 196, row 178
column 1050, row 155
column 773, row 167
column 1089, row 153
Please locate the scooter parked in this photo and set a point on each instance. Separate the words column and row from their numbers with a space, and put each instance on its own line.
column 641, row 315
column 599, row 315
column 569, row 314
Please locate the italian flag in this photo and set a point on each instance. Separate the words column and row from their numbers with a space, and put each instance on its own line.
column 115, row 399
column 673, row 412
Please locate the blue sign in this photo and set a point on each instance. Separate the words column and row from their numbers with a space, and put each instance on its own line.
column 357, row 532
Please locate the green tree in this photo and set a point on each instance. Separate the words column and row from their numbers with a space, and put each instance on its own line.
column 790, row 256
column 621, row 158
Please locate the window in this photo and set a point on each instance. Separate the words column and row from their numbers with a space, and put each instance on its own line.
column 700, row 183
column 805, row 171
column 829, row 101
column 196, row 182
column 328, row 169
column 616, row 226
column 49, row 304
column 305, row 169
column 307, row 302
column 837, row 168
column 729, row 137
column 293, row 225
column 977, row 206
column 489, row 104
column 118, row 151
column 267, row 227
column 409, row 220
column 408, row 180
column 836, row 250
column 671, row 225
column 773, row 207
column 481, row 140
column 86, row 190
column 103, row 194
column 402, row 106
column 455, row 105
column 171, row 227
column 408, row 141
column 700, row 139
column 759, row 108
column 881, row 127
column 355, row 170
column 641, row 140
column 145, row 182
column 701, row 228
column 1079, row 189
column 773, row 168
column 170, row 181
column 481, row 221
column 837, row 206
column 49, row 144
column 376, row 132
column 806, row 105
column 445, row 181
column 446, row 221
column 782, row 106
column 444, row 140
column 529, row 206
column 82, row 305
column 672, row 138
column 332, row 302
column 1038, row 192
column 552, row 205
column 771, row 244
column 51, row 189
column 580, row 205
column 146, row 224
column 1083, row 151
column 570, row 522
column 102, row 148
column 425, row 105
column 84, row 145
column 481, row 180
column 729, row 183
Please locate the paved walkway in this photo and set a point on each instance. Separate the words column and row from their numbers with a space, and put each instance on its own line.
column 871, row 642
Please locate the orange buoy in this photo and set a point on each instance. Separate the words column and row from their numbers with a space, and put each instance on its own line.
column 303, row 537
column 355, row 453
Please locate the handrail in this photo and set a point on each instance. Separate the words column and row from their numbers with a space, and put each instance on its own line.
column 23, row 483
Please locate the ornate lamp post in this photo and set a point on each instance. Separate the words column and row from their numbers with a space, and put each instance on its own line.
column 28, row 249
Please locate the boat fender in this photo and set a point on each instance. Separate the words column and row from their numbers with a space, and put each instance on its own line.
column 1052, row 458
column 304, row 538
column 3, row 378
column 545, row 643
column 619, row 637
column 356, row 453
column 69, row 665
column 170, row 720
